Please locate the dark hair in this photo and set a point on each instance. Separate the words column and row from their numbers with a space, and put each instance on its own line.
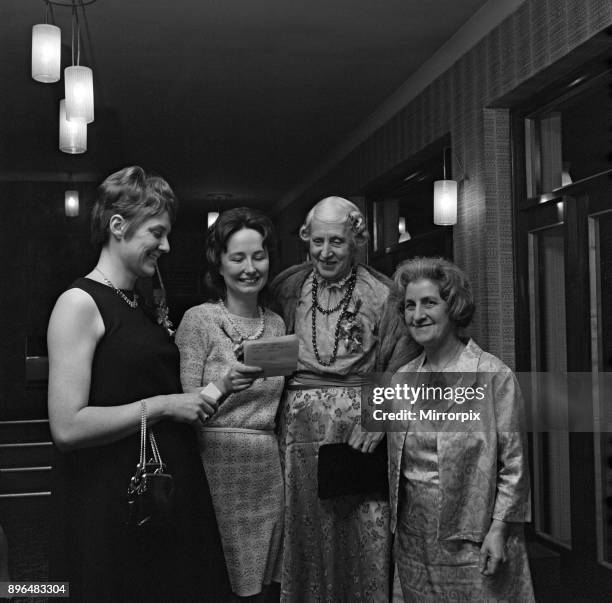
column 134, row 195
column 454, row 286
column 228, row 223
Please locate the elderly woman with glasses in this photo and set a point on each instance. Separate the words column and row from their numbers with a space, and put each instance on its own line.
column 343, row 313
column 459, row 491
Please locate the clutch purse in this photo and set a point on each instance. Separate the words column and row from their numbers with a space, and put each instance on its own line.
column 151, row 488
column 343, row 471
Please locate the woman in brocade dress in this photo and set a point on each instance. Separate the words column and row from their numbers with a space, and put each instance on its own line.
column 110, row 365
column 459, row 491
column 238, row 445
column 346, row 321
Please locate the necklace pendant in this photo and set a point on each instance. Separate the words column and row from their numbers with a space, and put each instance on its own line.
column 239, row 350
column 132, row 303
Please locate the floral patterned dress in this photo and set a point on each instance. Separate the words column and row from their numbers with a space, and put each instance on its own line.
column 336, row 549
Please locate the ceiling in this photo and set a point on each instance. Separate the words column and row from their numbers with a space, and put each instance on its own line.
column 241, row 98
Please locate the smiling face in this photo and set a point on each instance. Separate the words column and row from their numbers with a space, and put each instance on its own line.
column 426, row 314
column 244, row 264
column 143, row 247
column 331, row 249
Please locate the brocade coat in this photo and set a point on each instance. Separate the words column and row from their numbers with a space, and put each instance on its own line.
column 483, row 471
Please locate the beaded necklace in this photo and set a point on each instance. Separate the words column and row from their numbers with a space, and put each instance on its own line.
column 132, row 303
column 242, row 337
column 343, row 305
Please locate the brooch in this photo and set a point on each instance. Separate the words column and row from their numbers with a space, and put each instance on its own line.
column 351, row 330
column 161, row 311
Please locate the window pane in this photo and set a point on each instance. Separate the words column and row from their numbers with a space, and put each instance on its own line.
column 549, row 353
column 569, row 142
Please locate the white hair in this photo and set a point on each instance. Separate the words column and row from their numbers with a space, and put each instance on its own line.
column 340, row 211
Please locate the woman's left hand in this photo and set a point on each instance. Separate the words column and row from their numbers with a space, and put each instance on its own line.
column 364, row 441
column 493, row 549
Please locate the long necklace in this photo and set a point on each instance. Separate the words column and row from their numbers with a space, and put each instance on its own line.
column 132, row 303
column 330, row 310
column 343, row 305
column 242, row 337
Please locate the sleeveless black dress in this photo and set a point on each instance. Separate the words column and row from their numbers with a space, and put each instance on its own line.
column 91, row 545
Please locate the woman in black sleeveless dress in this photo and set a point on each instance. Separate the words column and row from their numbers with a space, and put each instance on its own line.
column 108, row 361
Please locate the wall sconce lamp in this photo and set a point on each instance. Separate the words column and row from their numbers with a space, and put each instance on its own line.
column 211, row 218
column 404, row 235
column 445, row 198
column 71, row 203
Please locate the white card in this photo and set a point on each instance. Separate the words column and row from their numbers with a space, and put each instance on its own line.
column 275, row 355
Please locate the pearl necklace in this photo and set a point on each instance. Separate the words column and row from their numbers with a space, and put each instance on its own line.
column 132, row 303
column 344, row 302
column 242, row 336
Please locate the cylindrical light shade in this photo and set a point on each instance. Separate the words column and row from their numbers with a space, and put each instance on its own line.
column 46, row 53
column 71, row 203
column 445, row 202
column 404, row 235
column 212, row 217
column 78, row 82
column 72, row 134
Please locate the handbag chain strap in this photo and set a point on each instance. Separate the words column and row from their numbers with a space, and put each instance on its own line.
column 143, row 439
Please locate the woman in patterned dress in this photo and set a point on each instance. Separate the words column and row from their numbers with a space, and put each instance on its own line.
column 238, row 445
column 346, row 320
column 459, row 492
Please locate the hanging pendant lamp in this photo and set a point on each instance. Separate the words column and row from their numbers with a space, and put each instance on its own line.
column 78, row 81
column 46, row 53
column 72, row 134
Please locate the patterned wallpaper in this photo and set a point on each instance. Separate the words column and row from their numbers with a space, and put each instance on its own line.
column 537, row 35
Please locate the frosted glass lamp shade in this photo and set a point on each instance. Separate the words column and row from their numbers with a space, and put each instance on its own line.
column 46, row 53
column 404, row 235
column 445, row 202
column 78, row 82
column 72, row 134
column 71, row 203
column 212, row 217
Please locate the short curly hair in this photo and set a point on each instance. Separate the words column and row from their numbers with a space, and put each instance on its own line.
column 134, row 195
column 454, row 285
column 349, row 213
column 228, row 223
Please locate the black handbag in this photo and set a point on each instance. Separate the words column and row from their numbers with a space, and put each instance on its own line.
column 151, row 489
column 342, row 471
